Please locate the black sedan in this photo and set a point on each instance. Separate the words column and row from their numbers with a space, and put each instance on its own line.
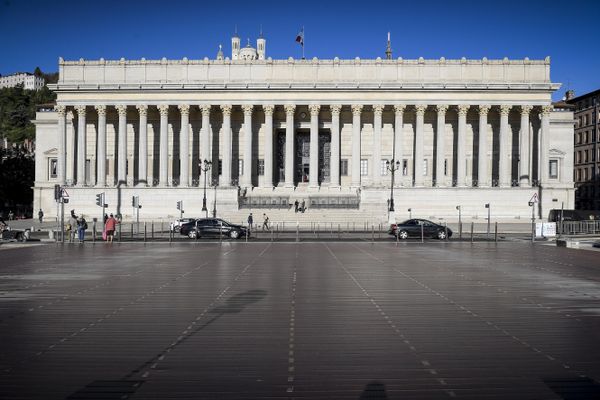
column 414, row 227
column 212, row 227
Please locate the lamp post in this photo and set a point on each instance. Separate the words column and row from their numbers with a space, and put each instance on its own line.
column 487, row 205
column 204, row 169
column 215, row 182
column 459, row 222
column 532, row 205
column 409, row 213
column 392, row 166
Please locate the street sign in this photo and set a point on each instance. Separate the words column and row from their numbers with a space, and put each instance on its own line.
column 534, row 198
column 65, row 195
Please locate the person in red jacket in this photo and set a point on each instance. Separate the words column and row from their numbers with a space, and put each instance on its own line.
column 110, row 226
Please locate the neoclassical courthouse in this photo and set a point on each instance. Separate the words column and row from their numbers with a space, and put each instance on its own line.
column 458, row 132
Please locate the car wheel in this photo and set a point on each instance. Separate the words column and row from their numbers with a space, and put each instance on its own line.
column 403, row 235
column 441, row 235
column 193, row 234
column 234, row 234
column 20, row 237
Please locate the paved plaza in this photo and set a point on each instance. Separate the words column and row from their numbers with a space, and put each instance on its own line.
column 319, row 320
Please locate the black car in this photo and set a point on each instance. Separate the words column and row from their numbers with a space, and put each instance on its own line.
column 212, row 227
column 414, row 227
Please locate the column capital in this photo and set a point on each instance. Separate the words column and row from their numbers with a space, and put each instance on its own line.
column 378, row 109
column 121, row 109
column 247, row 108
column 526, row 109
column 546, row 110
column 335, row 109
column 290, row 109
column 484, row 109
column 205, row 109
column 505, row 109
column 226, row 109
column 314, row 109
column 268, row 109
column 399, row 108
column 101, row 109
column 184, row 109
column 356, row 109
column 142, row 109
column 441, row 108
column 463, row 109
column 420, row 108
column 60, row 109
column 163, row 109
column 80, row 109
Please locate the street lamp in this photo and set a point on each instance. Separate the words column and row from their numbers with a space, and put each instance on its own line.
column 205, row 169
column 215, row 182
column 487, row 205
column 409, row 213
column 392, row 166
column 532, row 205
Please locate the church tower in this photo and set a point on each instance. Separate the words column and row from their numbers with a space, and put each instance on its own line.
column 388, row 50
column 235, row 46
column 260, row 46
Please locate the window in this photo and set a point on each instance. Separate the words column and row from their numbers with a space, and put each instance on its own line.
column 553, row 169
column 88, row 171
column 53, row 168
column 405, row 167
column 220, row 167
column 344, row 167
column 261, row 167
column 383, row 167
column 240, row 167
column 578, row 138
column 364, row 167
column 446, row 167
column 425, row 166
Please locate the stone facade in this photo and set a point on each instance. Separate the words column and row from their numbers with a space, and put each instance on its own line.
column 460, row 132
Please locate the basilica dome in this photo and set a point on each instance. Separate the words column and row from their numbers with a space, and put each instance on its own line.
column 248, row 53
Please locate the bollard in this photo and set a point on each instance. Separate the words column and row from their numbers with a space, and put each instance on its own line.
column 161, row 227
column 271, row 235
column 132, row 230
column 396, row 237
column 297, row 232
column 372, row 233
column 120, row 229
column 247, row 233
column 471, row 232
column 170, row 235
column 422, row 234
column 380, row 230
column 495, row 231
column 446, row 229
column 220, row 232
column 144, row 232
column 152, row 230
column 339, row 233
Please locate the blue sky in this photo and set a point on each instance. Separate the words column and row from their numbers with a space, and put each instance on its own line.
column 36, row 33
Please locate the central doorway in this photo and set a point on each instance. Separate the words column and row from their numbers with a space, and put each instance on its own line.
column 302, row 157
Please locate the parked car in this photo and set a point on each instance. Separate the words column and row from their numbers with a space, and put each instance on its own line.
column 413, row 227
column 176, row 225
column 212, row 227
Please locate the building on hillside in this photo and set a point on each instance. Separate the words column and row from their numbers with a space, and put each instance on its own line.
column 456, row 133
column 29, row 81
column 587, row 150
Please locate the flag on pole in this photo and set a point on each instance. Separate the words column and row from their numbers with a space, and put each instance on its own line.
column 300, row 37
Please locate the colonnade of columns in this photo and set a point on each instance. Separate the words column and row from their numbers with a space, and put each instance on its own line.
column 484, row 177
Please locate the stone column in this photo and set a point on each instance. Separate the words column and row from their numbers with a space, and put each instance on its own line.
column 101, row 147
column 504, row 157
column 71, row 149
column 227, row 146
column 205, row 133
column 62, row 144
column 420, row 110
column 184, row 146
column 289, row 145
column 143, row 148
column 377, row 122
column 440, row 154
column 524, row 151
column 356, row 110
column 164, row 145
column 268, row 177
column 81, row 145
column 398, row 141
column 335, row 145
column 247, row 178
column 461, row 146
column 122, row 163
column 313, row 177
column 544, row 134
column 483, row 175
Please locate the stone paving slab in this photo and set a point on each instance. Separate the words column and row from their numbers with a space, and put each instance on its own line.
column 328, row 320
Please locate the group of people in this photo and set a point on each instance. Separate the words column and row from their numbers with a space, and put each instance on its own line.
column 77, row 226
column 265, row 225
column 299, row 206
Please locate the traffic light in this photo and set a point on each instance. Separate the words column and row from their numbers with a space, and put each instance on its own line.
column 179, row 205
column 57, row 192
column 100, row 200
column 134, row 201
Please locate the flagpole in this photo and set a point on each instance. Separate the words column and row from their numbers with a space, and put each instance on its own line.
column 303, row 39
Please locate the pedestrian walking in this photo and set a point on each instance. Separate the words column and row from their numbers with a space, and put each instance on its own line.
column 296, row 204
column 303, row 206
column 11, row 215
column 109, row 227
column 41, row 215
column 72, row 226
column 81, row 227
column 265, row 225
column 250, row 221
